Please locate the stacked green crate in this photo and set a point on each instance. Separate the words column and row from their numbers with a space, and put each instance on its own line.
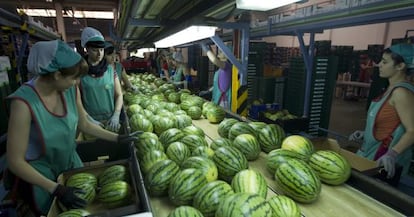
column 322, row 89
column 255, row 69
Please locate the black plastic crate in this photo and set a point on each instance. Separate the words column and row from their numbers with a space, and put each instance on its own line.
column 291, row 126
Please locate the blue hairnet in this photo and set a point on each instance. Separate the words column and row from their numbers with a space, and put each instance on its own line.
column 50, row 56
column 93, row 36
column 406, row 51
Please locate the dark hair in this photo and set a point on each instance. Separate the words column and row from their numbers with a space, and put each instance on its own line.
column 398, row 59
column 109, row 50
column 78, row 70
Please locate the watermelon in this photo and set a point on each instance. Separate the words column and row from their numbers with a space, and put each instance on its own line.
column 74, row 213
column 112, row 174
column 297, row 180
column 80, row 179
column 185, row 211
column 220, row 142
column 298, row 144
column 160, row 176
column 115, row 194
column 141, row 124
column 244, row 205
column 180, row 112
column 172, row 107
column 151, row 158
column 185, row 185
column 257, row 125
column 204, row 164
column 193, row 130
column 271, row 137
column 248, row 145
column 89, row 193
column 146, row 145
column 249, row 181
column 215, row 114
column 229, row 162
column 169, row 136
column 178, row 152
column 183, row 120
column 203, row 151
column 279, row 156
column 194, row 141
column 194, row 112
column 145, row 135
column 225, row 125
column 240, row 128
column 283, row 206
column 174, row 97
column 134, row 109
column 162, row 124
column 210, row 196
column 331, row 167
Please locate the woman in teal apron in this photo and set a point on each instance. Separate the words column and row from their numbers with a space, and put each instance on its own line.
column 45, row 114
column 221, row 90
column 178, row 78
column 394, row 108
column 100, row 88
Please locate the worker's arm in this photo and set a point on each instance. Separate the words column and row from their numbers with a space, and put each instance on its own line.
column 17, row 144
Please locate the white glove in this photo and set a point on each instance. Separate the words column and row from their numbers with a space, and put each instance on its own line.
column 113, row 123
column 357, row 135
column 93, row 121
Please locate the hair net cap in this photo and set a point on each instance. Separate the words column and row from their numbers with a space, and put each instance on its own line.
column 92, row 35
column 178, row 56
column 406, row 51
column 50, row 56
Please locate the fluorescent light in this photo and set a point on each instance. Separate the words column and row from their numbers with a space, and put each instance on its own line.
column 192, row 33
column 77, row 14
column 140, row 52
column 262, row 5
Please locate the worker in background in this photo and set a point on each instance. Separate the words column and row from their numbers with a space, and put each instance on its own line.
column 179, row 78
column 44, row 117
column 100, row 88
column 366, row 68
column 389, row 133
column 110, row 56
column 162, row 64
column 221, row 89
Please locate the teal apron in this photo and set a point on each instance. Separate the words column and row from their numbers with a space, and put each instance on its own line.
column 178, row 74
column 372, row 149
column 98, row 95
column 222, row 95
column 118, row 69
column 52, row 146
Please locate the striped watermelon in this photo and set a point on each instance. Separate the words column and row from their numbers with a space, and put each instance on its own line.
column 172, row 107
column 178, row 152
column 244, row 205
column 180, row 112
column 215, row 114
column 257, row 125
column 283, row 206
column 298, row 144
column 229, row 161
column 160, row 176
column 249, row 181
column 185, row 185
column 210, row 196
column 240, row 128
column 297, row 180
column 194, row 112
column 162, row 124
column 169, row 136
column 193, row 130
column 75, row 213
column 80, row 179
column 134, row 109
column 279, row 156
column 217, row 143
column 224, row 127
column 145, row 135
column 203, row 151
column 271, row 137
column 185, row 211
column 151, row 158
column 112, row 174
column 174, row 97
column 115, row 194
column 89, row 193
column 204, row 164
column 331, row 167
column 194, row 141
column 147, row 114
column 141, row 124
column 183, row 120
column 146, row 145
column 248, row 145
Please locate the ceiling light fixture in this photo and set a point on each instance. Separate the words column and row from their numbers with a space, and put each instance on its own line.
column 190, row 34
column 263, row 5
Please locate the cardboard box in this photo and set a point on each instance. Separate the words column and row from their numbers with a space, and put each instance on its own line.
column 139, row 205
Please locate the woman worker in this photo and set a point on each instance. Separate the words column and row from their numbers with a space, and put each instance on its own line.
column 221, row 89
column 389, row 133
column 110, row 56
column 45, row 115
column 100, row 88
column 179, row 78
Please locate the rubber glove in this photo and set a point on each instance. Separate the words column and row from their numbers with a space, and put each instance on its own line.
column 204, row 47
column 388, row 161
column 128, row 138
column 68, row 196
column 357, row 135
column 113, row 123
column 93, row 121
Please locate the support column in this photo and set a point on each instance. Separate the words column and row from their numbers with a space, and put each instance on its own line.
column 59, row 20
